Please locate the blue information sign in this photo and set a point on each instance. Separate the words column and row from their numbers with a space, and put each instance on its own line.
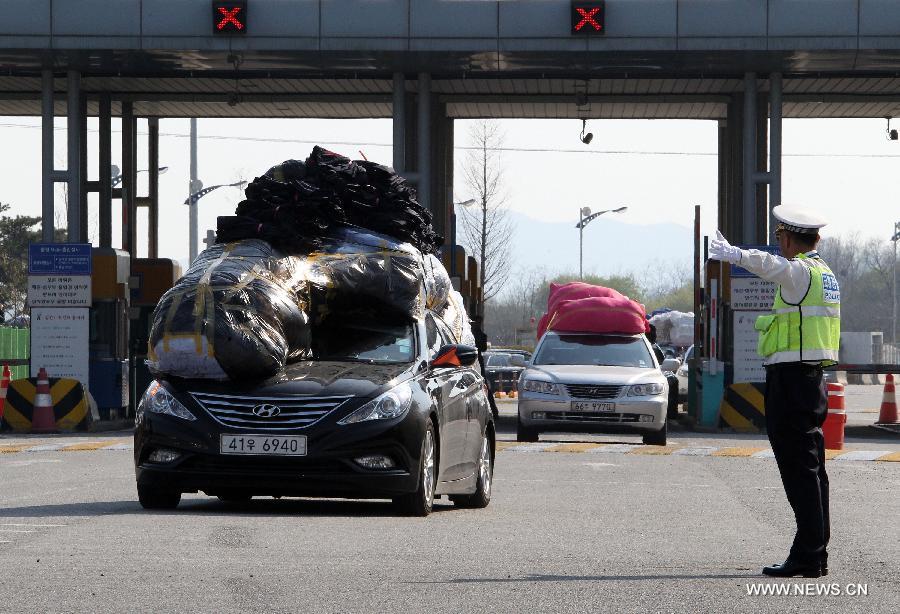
column 738, row 271
column 59, row 259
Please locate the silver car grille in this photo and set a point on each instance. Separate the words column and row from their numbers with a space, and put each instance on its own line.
column 593, row 391
column 294, row 412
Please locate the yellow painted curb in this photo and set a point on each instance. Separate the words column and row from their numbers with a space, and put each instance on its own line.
column 86, row 446
column 574, row 447
column 502, row 445
column 653, row 451
column 737, row 451
column 893, row 457
column 830, row 454
column 13, row 449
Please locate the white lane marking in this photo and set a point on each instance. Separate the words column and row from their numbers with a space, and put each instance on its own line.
column 601, row 465
column 613, row 448
column 22, row 524
column 15, row 531
column 26, row 463
column 699, row 451
column 531, row 447
column 119, row 446
column 861, row 455
column 763, row 454
column 50, row 447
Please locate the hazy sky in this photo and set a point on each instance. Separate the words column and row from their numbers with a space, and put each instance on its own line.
column 846, row 169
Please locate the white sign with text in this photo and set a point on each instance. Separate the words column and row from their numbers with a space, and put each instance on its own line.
column 59, row 342
column 752, row 293
column 59, row 290
column 748, row 364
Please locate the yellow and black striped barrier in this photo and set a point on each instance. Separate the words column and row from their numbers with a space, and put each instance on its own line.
column 743, row 408
column 70, row 406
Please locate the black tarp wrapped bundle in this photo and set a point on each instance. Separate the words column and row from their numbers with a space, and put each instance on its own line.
column 325, row 239
column 239, row 312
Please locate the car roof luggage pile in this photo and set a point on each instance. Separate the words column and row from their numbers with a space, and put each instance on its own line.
column 577, row 307
column 314, row 242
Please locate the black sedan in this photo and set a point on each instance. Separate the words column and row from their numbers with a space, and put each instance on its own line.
column 384, row 411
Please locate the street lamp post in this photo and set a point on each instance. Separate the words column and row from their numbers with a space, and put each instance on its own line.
column 464, row 203
column 895, row 238
column 191, row 201
column 117, row 175
column 584, row 218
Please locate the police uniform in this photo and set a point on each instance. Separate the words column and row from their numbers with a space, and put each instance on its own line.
column 798, row 339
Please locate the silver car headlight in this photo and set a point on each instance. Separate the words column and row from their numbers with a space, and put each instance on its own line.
column 392, row 404
column 536, row 385
column 158, row 400
column 645, row 390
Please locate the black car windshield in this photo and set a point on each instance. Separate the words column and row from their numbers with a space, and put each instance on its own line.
column 497, row 360
column 365, row 342
column 607, row 350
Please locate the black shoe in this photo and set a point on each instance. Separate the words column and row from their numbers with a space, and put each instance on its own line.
column 790, row 568
column 824, row 569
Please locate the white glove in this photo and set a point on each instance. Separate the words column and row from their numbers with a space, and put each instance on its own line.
column 721, row 249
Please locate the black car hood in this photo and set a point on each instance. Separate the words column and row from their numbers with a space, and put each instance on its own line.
column 313, row 378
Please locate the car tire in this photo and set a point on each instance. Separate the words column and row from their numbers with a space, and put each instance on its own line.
column 420, row 502
column 482, row 495
column 658, row 438
column 158, row 499
column 526, row 433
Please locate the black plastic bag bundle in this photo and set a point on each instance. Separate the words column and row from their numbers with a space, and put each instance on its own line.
column 238, row 313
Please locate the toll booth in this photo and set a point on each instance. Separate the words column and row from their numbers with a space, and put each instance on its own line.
column 108, row 346
column 150, row 279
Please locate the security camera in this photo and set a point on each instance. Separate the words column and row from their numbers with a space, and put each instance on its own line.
column 233, row 99
column 586, row 138
column 892, row 134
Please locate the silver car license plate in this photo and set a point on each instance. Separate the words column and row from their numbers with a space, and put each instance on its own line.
column 592, row 406
column 267, row 445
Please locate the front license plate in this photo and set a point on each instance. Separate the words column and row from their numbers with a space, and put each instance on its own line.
column 268, row 445
column 592, row 406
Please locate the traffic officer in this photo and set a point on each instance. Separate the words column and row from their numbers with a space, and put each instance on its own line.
column 798, row 339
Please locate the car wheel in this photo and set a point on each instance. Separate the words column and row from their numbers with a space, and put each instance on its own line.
column 482, row 495
column 658, row 438
column 525, row 433
column 420, row 502
column 157, row 499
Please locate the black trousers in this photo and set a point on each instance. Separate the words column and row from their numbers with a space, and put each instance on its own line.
column 796, row 407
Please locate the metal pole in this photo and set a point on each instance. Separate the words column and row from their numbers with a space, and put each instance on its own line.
column 399, row 113
column 749, row 186
column 580, row 244
column 73, row 134
column 775, row 101
column 896, row 237
column 47, row 118
column 192, row 222
column 129, row 139
column 105, row 171
column 424, row 140
column 153, row 213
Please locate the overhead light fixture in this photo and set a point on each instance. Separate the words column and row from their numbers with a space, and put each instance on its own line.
column 588, row 137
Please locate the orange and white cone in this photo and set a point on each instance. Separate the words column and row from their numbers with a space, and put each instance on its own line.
column 888, row 414
column 43, row 419
column 4, row 384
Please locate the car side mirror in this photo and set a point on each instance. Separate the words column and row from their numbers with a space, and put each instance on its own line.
column 517, row 361
column 670, row 364
column 455, row 355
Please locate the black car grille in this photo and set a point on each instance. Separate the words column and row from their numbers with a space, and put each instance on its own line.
column 593, row 391
column 263, row 465
column 591, row 417
column 293, row 412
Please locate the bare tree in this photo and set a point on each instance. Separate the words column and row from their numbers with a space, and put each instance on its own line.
column 487, row 229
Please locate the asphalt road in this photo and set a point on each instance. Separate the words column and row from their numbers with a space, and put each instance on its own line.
column 564, row 533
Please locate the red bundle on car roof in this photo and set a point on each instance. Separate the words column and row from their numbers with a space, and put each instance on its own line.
column 578, row 307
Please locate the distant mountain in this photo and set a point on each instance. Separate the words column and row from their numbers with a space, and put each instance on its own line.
column 610, row 246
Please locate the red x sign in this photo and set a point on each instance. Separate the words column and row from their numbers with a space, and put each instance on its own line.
column 587, row 18
column 229, row 17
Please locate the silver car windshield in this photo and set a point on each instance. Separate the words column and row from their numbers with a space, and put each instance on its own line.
column 606, row 350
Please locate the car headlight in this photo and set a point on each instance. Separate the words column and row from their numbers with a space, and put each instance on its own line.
column 536, row 385
column 158, row 400
column 645, row 390
column 392, row 404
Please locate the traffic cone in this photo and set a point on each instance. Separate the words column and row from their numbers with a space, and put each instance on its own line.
column 4, row 384
column 888, row 414
column 43, row 419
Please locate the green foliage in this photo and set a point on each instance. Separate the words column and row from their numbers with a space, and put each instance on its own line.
column 15, row 235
